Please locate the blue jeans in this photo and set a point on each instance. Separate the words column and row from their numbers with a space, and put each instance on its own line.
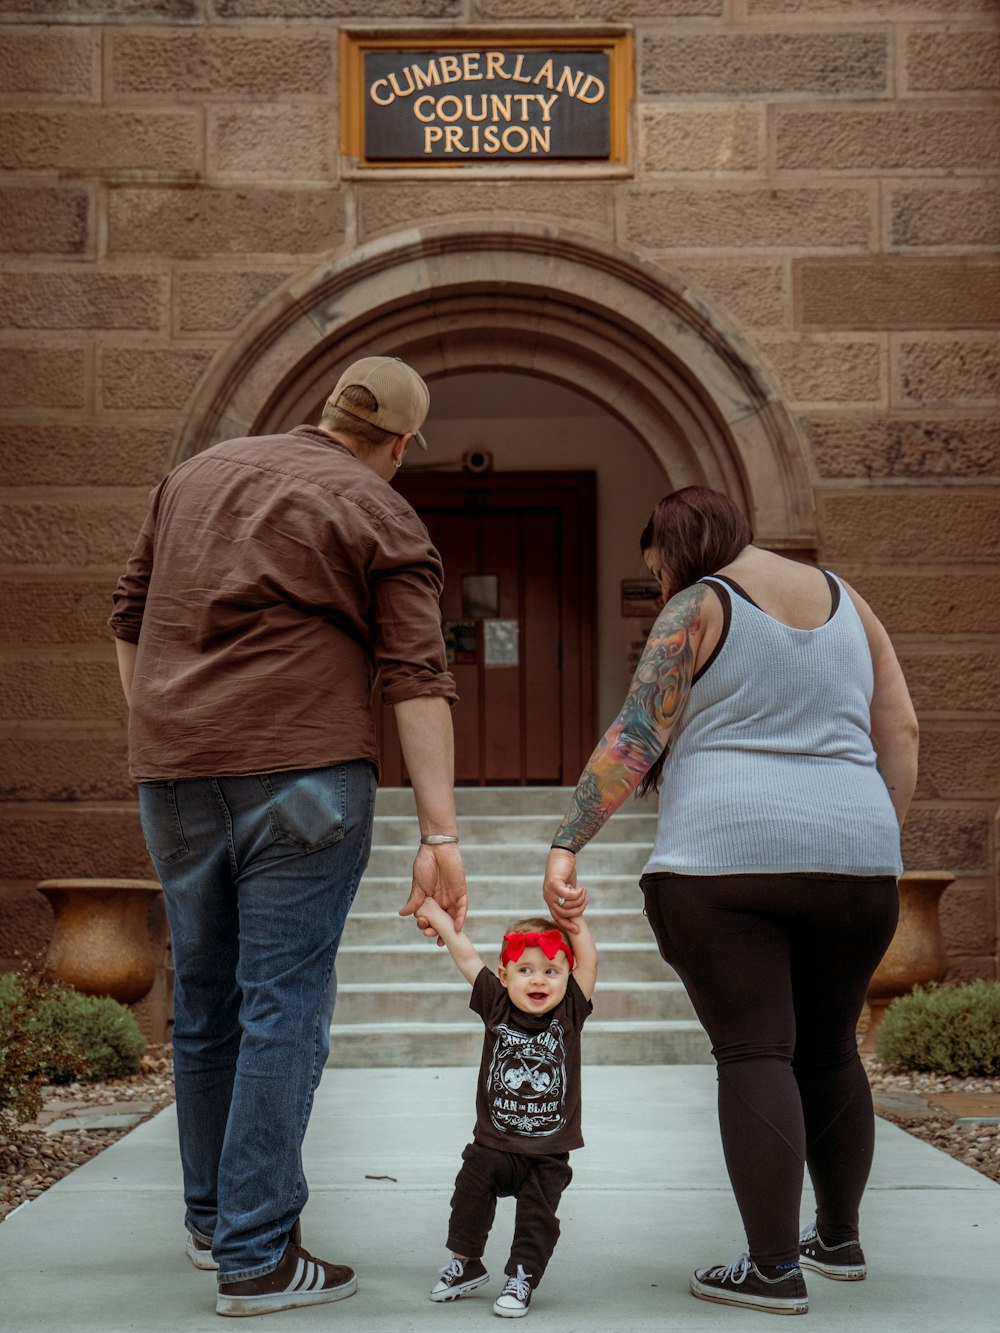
column 258, row 874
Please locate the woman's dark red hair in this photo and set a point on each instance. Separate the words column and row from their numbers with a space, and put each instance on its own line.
column 693, row 532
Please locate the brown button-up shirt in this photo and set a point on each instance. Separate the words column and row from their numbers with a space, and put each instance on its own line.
column 273, row 577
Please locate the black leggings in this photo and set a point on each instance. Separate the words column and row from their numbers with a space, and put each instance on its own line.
column 777, row 967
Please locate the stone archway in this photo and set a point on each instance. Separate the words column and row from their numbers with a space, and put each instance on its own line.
column 544, row 301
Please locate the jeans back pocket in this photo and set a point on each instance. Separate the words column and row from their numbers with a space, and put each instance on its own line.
column 307, row 807
column 161, row 822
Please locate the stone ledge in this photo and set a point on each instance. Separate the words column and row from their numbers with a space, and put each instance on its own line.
column 904, row 1105
column 965, row 1108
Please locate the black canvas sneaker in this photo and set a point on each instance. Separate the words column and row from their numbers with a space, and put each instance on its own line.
column 299, row 1279
column 459, row 1277
column 513, row 1301
column 844, row 1262
column 742, row 1283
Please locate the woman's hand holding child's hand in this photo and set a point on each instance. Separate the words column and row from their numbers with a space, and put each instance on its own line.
column 564, row 898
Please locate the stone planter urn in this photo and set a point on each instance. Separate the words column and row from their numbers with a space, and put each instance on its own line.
column 917, row 954
column 100, row 942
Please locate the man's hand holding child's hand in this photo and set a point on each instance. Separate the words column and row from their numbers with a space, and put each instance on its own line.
column 433, row 920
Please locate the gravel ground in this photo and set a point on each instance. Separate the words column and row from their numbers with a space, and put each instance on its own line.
column 975, row 1144
column 36, row 1159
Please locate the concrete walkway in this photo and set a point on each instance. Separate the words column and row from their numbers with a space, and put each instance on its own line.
column 102, row 1252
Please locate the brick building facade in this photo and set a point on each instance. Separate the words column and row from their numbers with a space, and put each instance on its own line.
column 796, row 268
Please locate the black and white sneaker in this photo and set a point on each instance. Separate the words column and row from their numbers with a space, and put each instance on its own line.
column 299, row 1279
column 459, row 1277
column 742, row 1283
column 199, row 1252
column 513, row 1301
column 844, row 1262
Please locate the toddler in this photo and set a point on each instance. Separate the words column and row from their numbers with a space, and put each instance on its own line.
column 527, row 1099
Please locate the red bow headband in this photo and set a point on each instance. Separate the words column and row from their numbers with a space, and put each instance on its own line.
column 549, row 941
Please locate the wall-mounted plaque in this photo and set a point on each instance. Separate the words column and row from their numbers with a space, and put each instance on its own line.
column 500, row 642
column 480, row 100
column 461, row 642
column 480, row 596
column 641, row 599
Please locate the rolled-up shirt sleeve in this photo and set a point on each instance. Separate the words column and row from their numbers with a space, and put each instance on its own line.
column 129, row 599
column 406, row 579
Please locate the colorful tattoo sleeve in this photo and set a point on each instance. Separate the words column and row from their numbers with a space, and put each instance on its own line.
column 642, row 729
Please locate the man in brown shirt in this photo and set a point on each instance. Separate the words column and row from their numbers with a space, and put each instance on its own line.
column 273, row 578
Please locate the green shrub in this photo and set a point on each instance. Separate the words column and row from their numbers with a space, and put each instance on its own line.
column 56, row 1035
column 101, row 1031
column 24, row 1050
column 944, row 1029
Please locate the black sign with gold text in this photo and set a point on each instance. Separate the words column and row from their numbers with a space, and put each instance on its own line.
column 492, row 103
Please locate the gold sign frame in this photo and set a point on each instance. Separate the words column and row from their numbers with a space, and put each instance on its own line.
column 617, row 43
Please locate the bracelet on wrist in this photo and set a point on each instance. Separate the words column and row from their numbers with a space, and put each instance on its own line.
column 437, row 839
column 558, row 847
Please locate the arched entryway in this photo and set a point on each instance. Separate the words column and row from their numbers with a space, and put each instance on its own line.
column 677, row 390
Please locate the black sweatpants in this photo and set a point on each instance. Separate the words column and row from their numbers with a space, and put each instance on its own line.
column 777, row 968
column 536, row 1182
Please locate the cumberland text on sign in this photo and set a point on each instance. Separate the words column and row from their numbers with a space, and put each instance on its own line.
column 497, row 103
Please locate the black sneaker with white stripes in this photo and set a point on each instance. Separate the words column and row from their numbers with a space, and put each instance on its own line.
column 844, row 1262
column 299, row 1279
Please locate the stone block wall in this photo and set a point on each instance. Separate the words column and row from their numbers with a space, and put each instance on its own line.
column 823, row 173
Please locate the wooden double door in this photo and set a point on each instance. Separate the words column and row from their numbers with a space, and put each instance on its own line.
column 518, row 614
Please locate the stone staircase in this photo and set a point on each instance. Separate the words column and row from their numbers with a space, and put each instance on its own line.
column 400, row 999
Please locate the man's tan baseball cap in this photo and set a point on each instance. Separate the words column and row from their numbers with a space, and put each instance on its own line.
column 402, row 396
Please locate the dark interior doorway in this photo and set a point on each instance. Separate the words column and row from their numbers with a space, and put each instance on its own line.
column 518, row 611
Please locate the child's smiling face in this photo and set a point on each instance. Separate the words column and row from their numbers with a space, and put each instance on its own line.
column 535, row 983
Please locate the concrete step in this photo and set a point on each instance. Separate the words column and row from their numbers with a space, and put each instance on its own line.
column 421, row 1016
column 486, row 925
column 534, row 830
column 409, row 1045
column 514, row 895
column 425, row 963
column 448, row 1001
column 488, row 800
column 496, row 801
column 598, row 858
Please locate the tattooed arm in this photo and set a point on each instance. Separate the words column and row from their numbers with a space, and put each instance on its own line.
column 639, row 733
column 631, row 744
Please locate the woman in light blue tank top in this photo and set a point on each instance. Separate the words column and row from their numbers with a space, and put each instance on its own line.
column 770, row 712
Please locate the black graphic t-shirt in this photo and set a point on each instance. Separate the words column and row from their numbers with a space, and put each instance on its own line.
column 528, row 1099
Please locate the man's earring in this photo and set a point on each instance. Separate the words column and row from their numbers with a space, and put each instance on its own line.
column 397, row 463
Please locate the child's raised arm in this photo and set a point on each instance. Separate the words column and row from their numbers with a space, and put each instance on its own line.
column 461, row 948
column 585, row 952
